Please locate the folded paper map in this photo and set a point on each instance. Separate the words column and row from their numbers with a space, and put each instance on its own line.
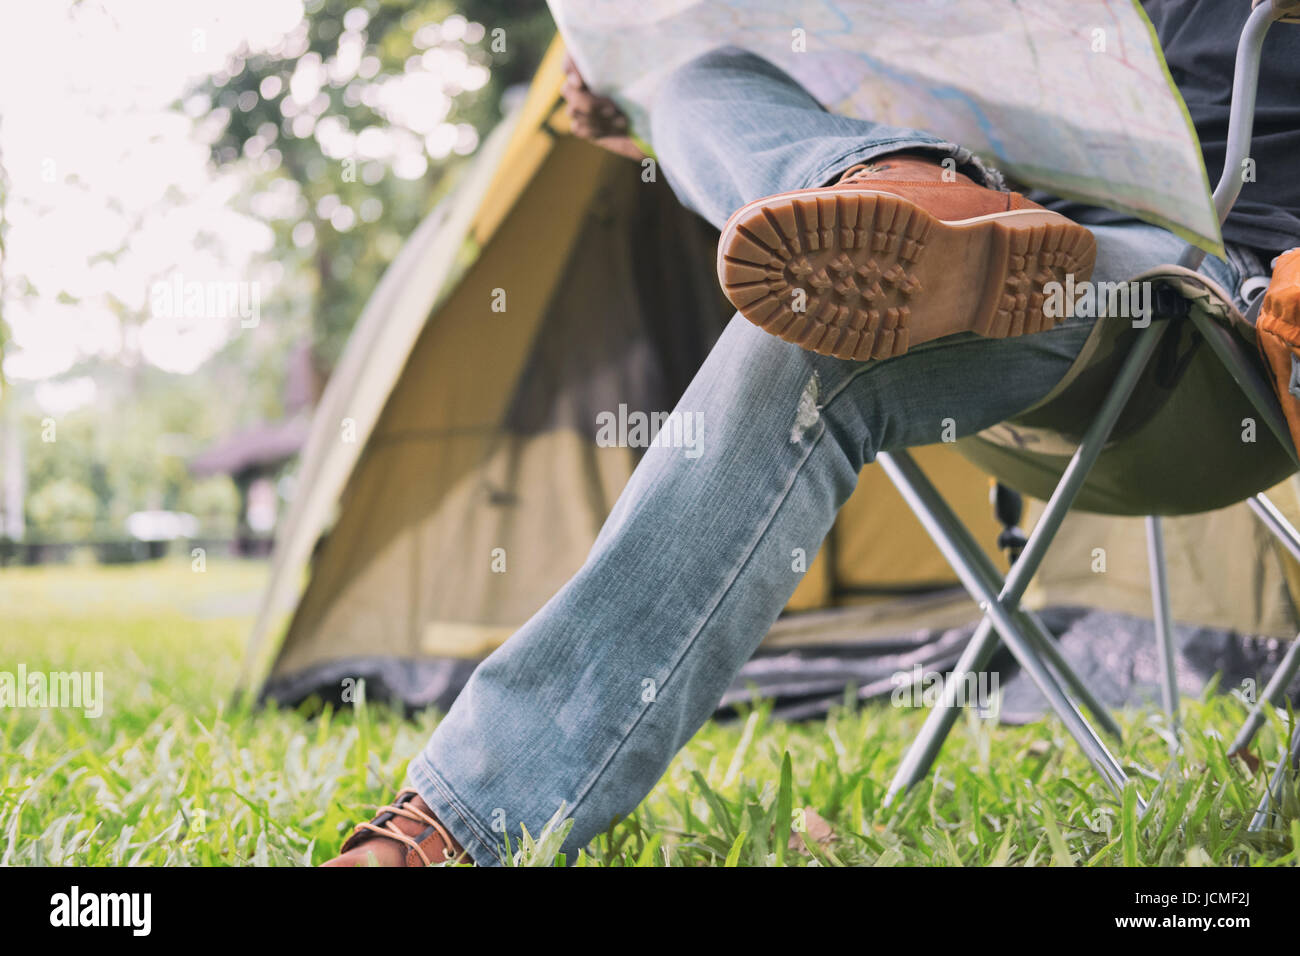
column 1070, row 96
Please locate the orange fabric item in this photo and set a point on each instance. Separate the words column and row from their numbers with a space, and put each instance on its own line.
column 1279, row 336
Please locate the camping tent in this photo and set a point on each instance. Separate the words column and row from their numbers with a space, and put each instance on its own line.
column 451, row 480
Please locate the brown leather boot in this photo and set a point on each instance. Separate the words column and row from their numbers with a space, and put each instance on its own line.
column 892, row 255
column 403, row 833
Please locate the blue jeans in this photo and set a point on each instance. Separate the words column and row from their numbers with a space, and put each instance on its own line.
column 586, row 705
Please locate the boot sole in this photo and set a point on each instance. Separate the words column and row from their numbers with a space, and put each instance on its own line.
column 876, row 274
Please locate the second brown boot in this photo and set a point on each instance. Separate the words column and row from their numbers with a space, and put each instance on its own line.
column 404, row 833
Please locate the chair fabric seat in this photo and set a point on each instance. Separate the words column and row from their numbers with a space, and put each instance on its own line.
column 1188, row 442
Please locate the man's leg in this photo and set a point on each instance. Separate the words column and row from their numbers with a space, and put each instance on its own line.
column 586, row 705
column 730, row 127
column 865, row 253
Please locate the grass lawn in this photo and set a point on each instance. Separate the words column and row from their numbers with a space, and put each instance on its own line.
column 171, row 774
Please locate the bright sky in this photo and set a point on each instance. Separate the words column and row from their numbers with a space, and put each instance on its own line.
column 92, row 150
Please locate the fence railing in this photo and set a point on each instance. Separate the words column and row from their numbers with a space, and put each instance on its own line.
column 124, row 550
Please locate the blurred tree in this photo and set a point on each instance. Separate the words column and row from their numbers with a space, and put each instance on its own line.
column 346, row 132
column 62, row 510
column 129, row 447
column 4, row 287
column 215, row 502
column 350, row 125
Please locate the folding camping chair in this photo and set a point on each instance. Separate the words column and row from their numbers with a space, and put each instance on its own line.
column 1129, row 430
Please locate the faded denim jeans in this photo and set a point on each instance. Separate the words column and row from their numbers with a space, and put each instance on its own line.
column 587, row 703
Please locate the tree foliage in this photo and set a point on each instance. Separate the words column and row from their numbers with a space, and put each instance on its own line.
column 351, row 126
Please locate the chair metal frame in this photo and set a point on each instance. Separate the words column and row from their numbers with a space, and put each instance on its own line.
column 999, row 598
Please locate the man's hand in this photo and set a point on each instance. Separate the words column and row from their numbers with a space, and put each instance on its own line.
column 596, row 118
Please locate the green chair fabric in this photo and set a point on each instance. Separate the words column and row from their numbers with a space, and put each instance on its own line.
column 1189, row 441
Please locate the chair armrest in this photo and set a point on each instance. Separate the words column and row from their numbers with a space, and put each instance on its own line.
column 1289, row 10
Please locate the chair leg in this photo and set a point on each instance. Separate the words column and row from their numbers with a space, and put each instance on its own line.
column 904, row 470
column 1163, row 621
column 975, row 658
column 920, row 755
column 1270, row 697
column 1275, row 690
column 1046, row 645
column 1276, row 522
column 917, row 760
column 947, row 531
column 1008, row 508
column 1291, row 759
